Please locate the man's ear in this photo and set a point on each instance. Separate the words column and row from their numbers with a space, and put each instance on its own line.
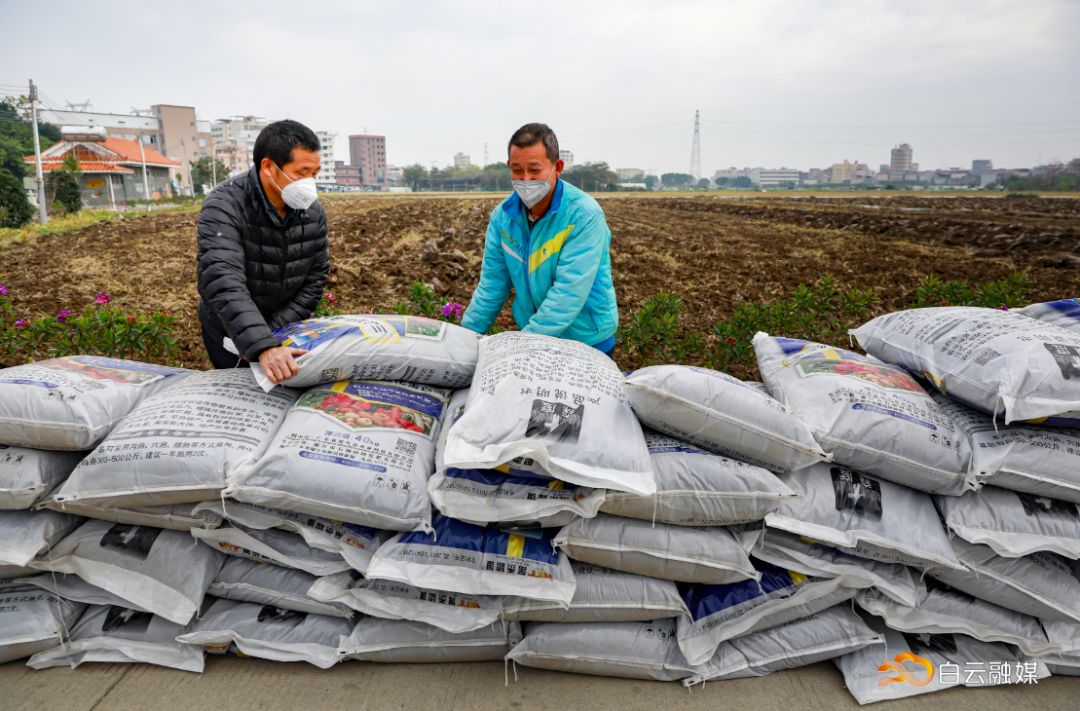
column 559, row 167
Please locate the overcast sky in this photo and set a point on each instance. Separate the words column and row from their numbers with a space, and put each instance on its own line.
column 797, row 84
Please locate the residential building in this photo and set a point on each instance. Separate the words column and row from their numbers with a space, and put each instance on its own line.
column 234, row 141
column 327, row 174
column 112, row 168
column 395, row 175
column 982, row 166
column 567, row 157
column 848, row 172
column 900, row 161
column 462, row 160
column 347, row 174
column 368, row 153
column 629, row 173
column 773, row 177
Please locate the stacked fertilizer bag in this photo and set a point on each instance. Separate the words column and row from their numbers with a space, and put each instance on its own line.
column 417, row 493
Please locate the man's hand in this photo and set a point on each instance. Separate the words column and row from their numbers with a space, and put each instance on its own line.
column 278, row 363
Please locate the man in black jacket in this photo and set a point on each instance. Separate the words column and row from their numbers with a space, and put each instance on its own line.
column 263, row 252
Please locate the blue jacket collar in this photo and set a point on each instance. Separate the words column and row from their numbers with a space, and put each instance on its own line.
column 513, row 205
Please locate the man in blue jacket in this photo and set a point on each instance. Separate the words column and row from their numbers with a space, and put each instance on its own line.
column 549, row 241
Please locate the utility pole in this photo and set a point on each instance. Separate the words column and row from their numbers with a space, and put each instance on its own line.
column 145, row 180
column 695, row 148
column 213, row 165
column 43, row 215
column 191, row 185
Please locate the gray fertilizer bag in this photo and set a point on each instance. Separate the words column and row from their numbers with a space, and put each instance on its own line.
column 631, row 650
column 378, row 640
column 807, row 556
column 28, row 475
column 722, row 612
column 913, row 664
column 269, row 632
column 354, row 451
column 26, row 534
column 517, row 493
column 72, row 403
column 163, row 572
column 378, row 347
column 1066, row 636
column 462, row 557
column 868, row 415
column 271, row 545
column 1012, row 523
column 449, row 611
column 557, row 402
column 826, row 635
column 114, row 635
column 603, row 595
column 1064, row 313
column 943, row 610
column 74, row 588
column 10, row 572
column 32, row 620
column 1000, row 362
column 354, row 543
column 1041, row 585
column 699, row 488
column 722, row 414
column 175, row 517
column 681, row 553
column 247, row 580
column 1044, row 461
column 864, row 516
column 179, row 445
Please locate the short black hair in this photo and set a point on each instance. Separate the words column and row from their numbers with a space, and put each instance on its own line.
column 532, row 133
column 278, row 139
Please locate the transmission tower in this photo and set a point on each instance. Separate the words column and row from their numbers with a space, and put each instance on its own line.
column 695, row 148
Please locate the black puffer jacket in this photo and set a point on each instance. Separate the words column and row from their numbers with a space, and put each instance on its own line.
column 256, row 271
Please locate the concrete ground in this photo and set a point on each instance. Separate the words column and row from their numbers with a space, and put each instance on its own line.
column 234, row 684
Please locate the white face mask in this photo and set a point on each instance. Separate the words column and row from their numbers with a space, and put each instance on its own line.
column 298, row 194
column 532, row 192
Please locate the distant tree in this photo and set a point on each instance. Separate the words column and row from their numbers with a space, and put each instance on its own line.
column 676, row 180
column 414, row 175
column 17, row 136
column 71, row 166
column 15, row 209
column 495, row 177
column 703, row 184
column 62, row 192
column 650, row 181
column 722, row 182
column 592, row 177
column 202, row 173
column 742, row 181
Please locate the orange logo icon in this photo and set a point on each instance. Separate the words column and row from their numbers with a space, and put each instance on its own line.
column 905, row 674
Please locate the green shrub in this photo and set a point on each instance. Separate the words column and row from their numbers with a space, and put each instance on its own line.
column 62, row 188
column 15, row 209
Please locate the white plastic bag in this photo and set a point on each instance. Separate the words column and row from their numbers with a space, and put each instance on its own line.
column 1013, row 524
column 864, row 516
column 558, row 402
column 72, row 403
column 462, row 557
column 517, row 493
column 75, row 589
column 943, row 610
column 271, row 545
column 997, row 361
column 269, row 632
column 355, row 451
column 868, row 415
column 632, row 650
column 249, row 580
column 26, row 534
column 1063, row 312
column 718, row 613
column 603, row 595
column 164, row 572
column 378, row 347
column 450, row 611
column 179, row 445
column 32, row 620
column 378, row 640
column 693, row 555
column 826, row 635
column 699, row 488
column 722, row 414
column 175, row 517
column 117, row 635
column 28, row 475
